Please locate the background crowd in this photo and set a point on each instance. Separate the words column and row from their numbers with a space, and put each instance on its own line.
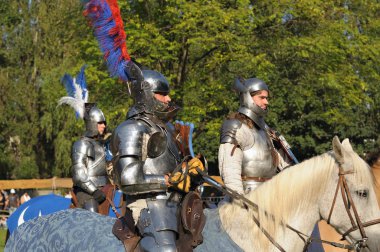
column 9, row 202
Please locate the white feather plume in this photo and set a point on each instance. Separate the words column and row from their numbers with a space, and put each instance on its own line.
column 77, row 92
column 76, row 104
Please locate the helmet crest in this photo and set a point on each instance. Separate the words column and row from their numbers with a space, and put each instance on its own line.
column 77, row 99
column 104, row 16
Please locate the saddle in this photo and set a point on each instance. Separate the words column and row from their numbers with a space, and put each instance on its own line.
column 109, row 190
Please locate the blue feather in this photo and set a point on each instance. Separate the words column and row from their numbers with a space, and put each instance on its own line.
column 68, row 82
column 81, row 81
column 77, row 92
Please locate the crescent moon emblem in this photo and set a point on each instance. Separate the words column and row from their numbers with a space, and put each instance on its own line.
column 21, row 218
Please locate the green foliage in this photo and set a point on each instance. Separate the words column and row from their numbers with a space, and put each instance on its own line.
column 320, row 59
column 3, row 235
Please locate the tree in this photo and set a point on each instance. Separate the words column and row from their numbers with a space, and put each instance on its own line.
column 318, row 49
column 320, row 59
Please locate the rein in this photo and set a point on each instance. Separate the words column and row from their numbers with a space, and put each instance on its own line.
column 348, row 203
column 113, row 207
column 347, row 199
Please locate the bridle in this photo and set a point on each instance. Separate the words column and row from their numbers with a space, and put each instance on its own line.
column 349, row 203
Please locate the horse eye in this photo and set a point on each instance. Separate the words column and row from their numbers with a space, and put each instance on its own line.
column 362, row 193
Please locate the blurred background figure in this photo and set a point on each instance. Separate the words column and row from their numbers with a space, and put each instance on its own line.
column 13, row 201
column 3, row 212
column 2, row 200
column 68, row 194
column 5, row 193
column 24, row 198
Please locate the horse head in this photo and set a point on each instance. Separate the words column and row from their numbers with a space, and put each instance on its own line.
column 349, row 202
column 300, row 196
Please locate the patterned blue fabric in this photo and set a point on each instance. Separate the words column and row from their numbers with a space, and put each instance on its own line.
column 82, row 230
column 68, row 230
column 215, row 237
column 47, row 204
column 37, row 206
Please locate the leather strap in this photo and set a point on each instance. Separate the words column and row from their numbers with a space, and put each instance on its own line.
column 124, row 229
column 257, row 179
column 123, row 233
column 74, row 199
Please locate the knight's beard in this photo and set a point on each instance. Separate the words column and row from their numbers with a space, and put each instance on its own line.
column 101, row 135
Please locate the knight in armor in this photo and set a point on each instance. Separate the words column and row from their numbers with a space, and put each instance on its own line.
column 88, row 154
column 145, row 153
column 89, row 161
column 247, row 154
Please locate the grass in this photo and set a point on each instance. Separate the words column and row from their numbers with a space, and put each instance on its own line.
column 3, row 233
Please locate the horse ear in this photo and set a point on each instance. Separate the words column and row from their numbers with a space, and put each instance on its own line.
column 346, row 144
column 338, row 150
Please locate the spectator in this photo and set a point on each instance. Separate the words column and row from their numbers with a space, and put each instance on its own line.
column 68, row 194
column 13, row 201
column 3, row 222
column 4, row 193
column 24, row 198
column 2, row 201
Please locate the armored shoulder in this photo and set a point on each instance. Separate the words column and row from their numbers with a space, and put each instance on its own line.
column 228, row 131
column 84, row 147
column 127, row 139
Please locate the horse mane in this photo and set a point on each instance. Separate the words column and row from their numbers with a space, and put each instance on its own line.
column 284, row 196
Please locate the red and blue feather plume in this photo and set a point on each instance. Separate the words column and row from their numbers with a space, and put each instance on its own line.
column 104, row 16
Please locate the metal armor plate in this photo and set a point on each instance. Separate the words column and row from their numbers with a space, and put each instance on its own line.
column 257, row 160
column 137, row 171
column 89, row 164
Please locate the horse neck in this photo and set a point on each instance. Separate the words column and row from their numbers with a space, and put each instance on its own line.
column 291, row 197
column 296, row 189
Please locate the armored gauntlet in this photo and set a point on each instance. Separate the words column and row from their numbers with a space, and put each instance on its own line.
column 182, row 180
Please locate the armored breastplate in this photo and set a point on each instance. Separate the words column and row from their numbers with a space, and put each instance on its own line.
column 257, row 160
column 96, row 166
column 168, row 160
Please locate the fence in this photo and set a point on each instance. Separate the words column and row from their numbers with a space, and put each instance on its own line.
column 52, row 183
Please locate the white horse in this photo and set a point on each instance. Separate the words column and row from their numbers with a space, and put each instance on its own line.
column 303, row 195
column 298, row 197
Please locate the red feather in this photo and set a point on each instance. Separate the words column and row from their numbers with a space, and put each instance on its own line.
column 118, row 30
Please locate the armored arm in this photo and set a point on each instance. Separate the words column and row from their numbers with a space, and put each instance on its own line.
column 81, row 151
column 230, row 155
column 134, row 181
column 129, row 148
